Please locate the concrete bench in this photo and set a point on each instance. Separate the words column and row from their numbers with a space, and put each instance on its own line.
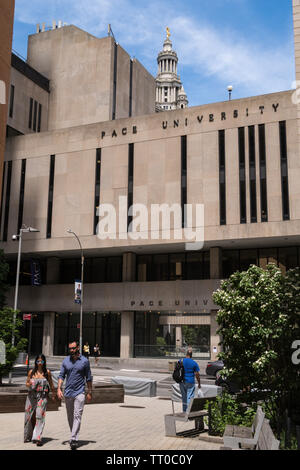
column 236, row 436
column 136, row 386
column 14, row 401
column 266, row 439
column 195, row 412
column 107, row 393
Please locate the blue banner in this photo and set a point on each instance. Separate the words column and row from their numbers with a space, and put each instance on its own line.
column 36, row 278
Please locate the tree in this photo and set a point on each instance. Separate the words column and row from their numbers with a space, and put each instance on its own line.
column 259, row 320
column 7, row 326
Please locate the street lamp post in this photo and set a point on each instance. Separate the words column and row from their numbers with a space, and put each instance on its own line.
column 230, row 88
column 24, row 229
column 81, row 297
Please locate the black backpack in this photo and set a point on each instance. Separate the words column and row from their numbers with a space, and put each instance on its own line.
column 178, row 374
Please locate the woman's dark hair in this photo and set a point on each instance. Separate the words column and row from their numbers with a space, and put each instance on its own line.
column 44, row 366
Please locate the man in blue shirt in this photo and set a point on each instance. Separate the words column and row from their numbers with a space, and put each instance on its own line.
column 76, row 369
column 187, row 387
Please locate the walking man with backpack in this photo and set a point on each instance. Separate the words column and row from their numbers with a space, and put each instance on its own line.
column 187, row 386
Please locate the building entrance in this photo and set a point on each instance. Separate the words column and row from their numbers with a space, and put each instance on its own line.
column 167, row 335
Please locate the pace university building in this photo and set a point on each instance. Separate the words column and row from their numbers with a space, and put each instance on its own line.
column 90, row 129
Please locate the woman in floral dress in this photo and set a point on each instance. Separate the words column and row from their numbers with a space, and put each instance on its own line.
column 39, row 381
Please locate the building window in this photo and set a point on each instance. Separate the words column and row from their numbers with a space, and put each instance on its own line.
column 11, row 102
column 50, row 196
column 39, row 118
column 171, row 267
column 252, row 174
column 35, row 107
column 284, row 172
column 115, row 74
column 97, row 189
column 242, row 175
column 222, row 184
column 130, row 185
column 7, row 200
column 30, row 113
column 21, row 197
column 183, row 179
column 263, row 173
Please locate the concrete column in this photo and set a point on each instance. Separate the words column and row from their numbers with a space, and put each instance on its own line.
column 48, row 334
column 178, row 333
column 129, row 267
column 53, row 267
column 216, row 263
column 127, row 331
column 214, row 337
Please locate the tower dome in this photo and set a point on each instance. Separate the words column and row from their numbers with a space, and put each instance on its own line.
column 168, row 83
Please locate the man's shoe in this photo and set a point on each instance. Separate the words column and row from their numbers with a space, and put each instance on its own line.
column 73, row 445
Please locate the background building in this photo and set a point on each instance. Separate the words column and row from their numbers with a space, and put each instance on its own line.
column 145, row 297
column 6, row 31
column 170, row 93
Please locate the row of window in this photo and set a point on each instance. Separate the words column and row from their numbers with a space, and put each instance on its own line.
column 35, row 115
column 222, row 178
column 160, row 267
column 252, row 174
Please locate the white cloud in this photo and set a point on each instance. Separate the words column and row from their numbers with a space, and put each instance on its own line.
column 204, row 50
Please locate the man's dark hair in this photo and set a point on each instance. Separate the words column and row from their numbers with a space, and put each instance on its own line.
column 189, row 353
column 75, row 341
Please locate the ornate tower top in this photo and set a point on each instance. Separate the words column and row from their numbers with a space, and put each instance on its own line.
column 168, row 83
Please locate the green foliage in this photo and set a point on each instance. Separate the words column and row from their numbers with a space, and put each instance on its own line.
column 7, row 328
column 259, row 320
column 227, row 409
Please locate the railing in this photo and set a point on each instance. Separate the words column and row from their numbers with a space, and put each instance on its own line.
column 169, row 352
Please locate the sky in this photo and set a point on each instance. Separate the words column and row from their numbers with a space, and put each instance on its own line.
column 244, row 43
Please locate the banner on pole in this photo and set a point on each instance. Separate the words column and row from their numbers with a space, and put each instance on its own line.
column 36, row 278
column 26, row 316
column 77, row 292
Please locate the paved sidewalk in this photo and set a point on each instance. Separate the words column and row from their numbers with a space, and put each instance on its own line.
column 136, row 424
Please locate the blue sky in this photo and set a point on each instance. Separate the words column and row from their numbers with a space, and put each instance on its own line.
column 244, row 43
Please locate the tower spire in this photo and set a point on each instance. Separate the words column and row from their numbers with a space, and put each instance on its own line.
column 169, row 89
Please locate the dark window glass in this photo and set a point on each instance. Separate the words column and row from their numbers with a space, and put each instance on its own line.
column 130, row 183
column 114, row 101
column 39, row 118
column 21, row 197
column 30, row 113
column 160, row 270
column 194, row 265
column 130, row 88
column 231, row 262
column 222, row 184
column 287, row 258
column 7, row 200
column 35, row 115
column 252, row 174
column 98, row 270
column 11, row 102
column 284, row 171
column 267, row 256
column 263, row 173
column 50, row 196
column 243, row 215
column 70, row 270
column 144, row 268
column 114, row 269
column 183, row 179
column 176, row 267
column 248, row 257
column 2, row 195
column 97, row 188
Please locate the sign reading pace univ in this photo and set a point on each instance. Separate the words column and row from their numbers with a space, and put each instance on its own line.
column 210, row 117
